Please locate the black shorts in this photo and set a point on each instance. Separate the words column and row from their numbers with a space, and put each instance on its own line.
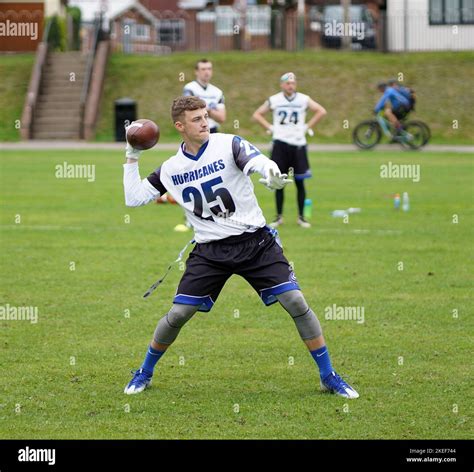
column 257, row 257
column 401, row 112
column 287, row 155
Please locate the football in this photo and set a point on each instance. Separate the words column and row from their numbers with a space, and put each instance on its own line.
column 143, row 134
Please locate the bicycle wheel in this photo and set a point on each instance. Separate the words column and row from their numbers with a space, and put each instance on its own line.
column 413, row 135
column 426, row 130
column 367, row 134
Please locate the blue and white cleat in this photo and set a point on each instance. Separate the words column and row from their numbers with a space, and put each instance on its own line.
column 140, row 381
column 333, row 383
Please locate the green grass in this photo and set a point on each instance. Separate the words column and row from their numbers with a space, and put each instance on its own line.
column 245, row 360
column 343, row 82
column 15, row 71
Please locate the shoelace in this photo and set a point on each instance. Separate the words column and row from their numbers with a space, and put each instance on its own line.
column 337, row 382
column 136, row 376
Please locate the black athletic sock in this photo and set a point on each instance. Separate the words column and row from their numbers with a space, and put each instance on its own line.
column 279, row 201
column 301, row 195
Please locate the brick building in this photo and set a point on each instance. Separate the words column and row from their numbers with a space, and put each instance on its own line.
column 160, row 26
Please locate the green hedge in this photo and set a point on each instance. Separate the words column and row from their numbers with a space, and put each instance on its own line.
column 75, row 13
column 57, row 37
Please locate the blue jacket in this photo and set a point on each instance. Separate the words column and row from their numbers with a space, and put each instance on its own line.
column 406, row 92
column 396, row 99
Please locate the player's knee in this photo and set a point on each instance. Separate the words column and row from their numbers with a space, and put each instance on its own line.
column 293, row 302
column 308, row 325
column 180, row 314
column 305, row 319
column 170, row 325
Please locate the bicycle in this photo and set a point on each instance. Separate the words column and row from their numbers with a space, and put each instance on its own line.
column 413, row 135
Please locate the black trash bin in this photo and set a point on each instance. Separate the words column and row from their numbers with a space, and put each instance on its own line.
column 125, row 113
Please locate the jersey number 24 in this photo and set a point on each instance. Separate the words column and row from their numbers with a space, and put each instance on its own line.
column 284, row 115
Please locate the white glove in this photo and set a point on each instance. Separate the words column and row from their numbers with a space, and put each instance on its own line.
column 308, row 130
column 130, row 152
column 275, row 179
column 270, row 130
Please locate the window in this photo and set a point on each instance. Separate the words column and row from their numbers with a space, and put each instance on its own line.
column 451, row 12
column 436, row 12
column 257, row 21
column 467, row 11
column 141, row 31
column 336, row 13
column 225, row 17
column 171, row 31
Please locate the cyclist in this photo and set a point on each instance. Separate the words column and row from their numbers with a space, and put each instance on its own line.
column 407, row 92
column 395, row 106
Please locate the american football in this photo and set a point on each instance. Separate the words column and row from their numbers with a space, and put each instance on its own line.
column 143, row 134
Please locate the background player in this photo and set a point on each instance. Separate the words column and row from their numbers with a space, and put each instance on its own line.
column 212, row 95
column 289, row 137
column 209, row 178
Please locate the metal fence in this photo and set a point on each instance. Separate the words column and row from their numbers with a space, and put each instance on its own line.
column 226, row 28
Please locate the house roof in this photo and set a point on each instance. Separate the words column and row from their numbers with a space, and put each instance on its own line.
column 134, row 5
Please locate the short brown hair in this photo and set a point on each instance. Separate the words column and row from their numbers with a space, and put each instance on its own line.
column 185, row 103
column 201, row 61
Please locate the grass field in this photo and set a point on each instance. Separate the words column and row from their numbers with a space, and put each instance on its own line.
column 343, row 82
column 15, row 71
column 411, row 360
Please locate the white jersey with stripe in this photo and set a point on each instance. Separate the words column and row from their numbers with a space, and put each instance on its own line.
column 213, row 186
column 289, row 117
column 212, row 95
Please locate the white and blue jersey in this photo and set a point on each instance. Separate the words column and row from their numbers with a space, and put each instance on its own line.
column 215, row 191
column 289, row 117
column 213, row 186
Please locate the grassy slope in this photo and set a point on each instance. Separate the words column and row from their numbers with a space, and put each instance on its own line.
column 15, row 71
column 342, row 82
column 232, row 361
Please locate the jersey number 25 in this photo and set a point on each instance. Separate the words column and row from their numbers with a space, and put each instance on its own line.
column 211, row 197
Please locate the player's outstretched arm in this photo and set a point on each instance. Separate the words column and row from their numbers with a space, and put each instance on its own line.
column 138, row 192
column 249, row 160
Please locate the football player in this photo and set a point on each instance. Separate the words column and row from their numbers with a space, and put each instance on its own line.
column 212, row 95
column 209, row 178
column 288, row 131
